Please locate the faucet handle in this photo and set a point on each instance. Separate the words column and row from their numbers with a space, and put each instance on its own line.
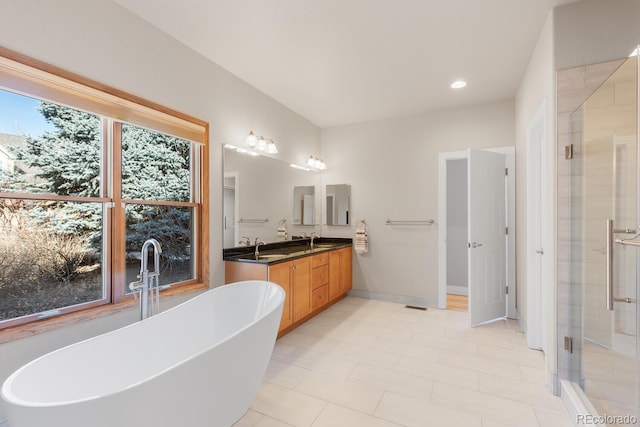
column 134, row 286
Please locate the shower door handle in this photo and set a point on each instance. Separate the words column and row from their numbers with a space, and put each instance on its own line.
column 610, row 241
column 609, row 269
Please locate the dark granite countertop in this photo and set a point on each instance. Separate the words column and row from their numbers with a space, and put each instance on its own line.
column 273, row 253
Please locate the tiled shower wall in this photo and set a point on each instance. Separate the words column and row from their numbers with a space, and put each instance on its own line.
column 573, row 86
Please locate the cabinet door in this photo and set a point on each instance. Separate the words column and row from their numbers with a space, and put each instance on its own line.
column 334, row 275
column 301, row 288
column 281, row 274
column 345, row 270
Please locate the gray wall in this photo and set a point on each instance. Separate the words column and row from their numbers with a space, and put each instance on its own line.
column 392, row 166
column 592, row 31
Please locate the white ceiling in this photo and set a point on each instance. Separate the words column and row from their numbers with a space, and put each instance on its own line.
column 344, row 61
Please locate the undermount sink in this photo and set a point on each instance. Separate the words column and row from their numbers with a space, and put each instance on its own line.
column 271, row 256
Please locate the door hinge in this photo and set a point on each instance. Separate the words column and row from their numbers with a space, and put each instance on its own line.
column 507, row 290
column 568, row 344
column 506, row 171
column 506, row 230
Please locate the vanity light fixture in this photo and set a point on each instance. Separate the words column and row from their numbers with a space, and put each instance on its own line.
column 271, row 147
column 458, row 84
column 252, row 140
column 316, row 163
column 261, row 143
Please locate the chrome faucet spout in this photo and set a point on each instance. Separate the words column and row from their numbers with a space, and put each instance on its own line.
column 149, row 283
column 313, row 236
column 257, row 253
column 157, row 250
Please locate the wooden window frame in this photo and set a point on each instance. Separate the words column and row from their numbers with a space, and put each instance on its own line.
column 31, row 77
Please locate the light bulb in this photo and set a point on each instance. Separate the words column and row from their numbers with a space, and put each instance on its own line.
column 262, row 143
column 251, row 139
column 271, row 147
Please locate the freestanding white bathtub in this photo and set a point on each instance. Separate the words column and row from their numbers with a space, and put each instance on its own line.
column 197, row 364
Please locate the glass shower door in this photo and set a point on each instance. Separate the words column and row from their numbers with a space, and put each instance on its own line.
column 609, row 243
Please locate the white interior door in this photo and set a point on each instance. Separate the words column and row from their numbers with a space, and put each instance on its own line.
column 487, row 237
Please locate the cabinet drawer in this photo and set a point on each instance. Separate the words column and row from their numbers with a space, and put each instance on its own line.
column 319, row 276
column 319, row 259
column 319, row 297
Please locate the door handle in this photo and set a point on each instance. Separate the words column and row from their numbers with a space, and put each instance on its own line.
column 475, row 245
column 540, row 251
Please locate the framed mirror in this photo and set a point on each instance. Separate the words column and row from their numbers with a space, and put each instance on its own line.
column 338, row 202
column 304, row 201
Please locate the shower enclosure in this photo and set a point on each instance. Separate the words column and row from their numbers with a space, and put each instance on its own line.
column 598, row 236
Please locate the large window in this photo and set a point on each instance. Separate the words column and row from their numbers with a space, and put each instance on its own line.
column 86, row 177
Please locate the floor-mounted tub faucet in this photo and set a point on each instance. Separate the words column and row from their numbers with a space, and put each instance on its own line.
column 149, row 283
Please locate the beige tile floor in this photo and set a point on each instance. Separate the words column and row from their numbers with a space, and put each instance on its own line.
column 377, row 364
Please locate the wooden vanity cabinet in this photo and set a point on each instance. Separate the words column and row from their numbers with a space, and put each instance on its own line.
column 319, row 280
column 301, row 287
column 295, row 278
column 310, row 283
column 281, row 274
column 339, row 272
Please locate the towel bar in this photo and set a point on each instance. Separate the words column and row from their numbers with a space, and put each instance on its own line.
column 410, row 222
column 248, row 220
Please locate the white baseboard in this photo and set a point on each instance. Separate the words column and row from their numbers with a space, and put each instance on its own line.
column 458, row 290
column 400, row 299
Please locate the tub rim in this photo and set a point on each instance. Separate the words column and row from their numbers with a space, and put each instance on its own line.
column 11, row 399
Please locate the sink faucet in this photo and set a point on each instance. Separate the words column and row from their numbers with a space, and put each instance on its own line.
column 245, row 241
column 257, row 246
column 312, row 236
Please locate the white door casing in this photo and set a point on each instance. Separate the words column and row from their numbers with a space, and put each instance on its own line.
column 536, row 185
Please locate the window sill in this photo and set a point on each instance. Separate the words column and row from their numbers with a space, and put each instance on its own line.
column 41, row 326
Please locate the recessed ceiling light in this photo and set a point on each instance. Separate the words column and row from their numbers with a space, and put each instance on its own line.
column 458, row 84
